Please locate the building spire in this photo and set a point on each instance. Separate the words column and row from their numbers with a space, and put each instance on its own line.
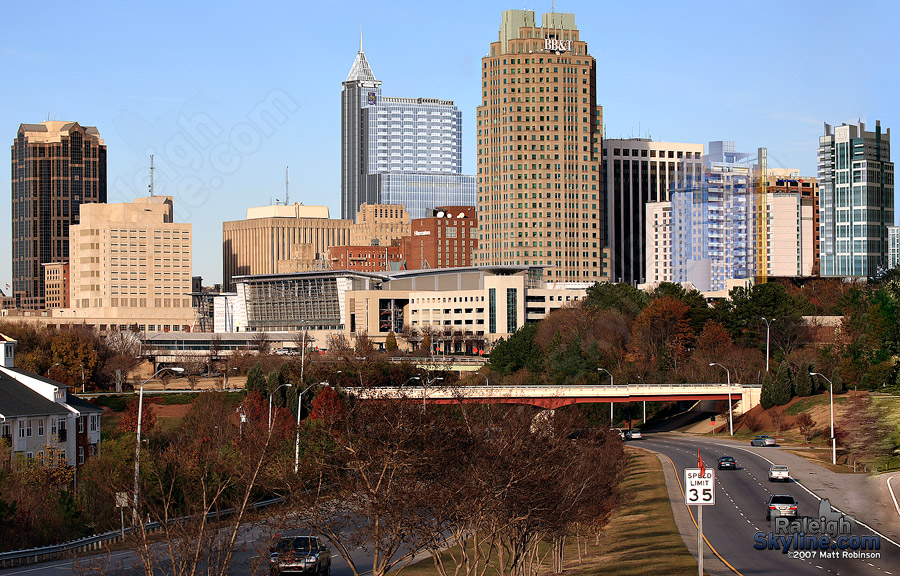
column 360, row 37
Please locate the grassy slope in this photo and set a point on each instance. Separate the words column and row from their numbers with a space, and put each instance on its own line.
column 640, row 539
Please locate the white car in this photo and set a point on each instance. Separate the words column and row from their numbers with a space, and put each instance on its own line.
column 779, row 473
column 633, row 435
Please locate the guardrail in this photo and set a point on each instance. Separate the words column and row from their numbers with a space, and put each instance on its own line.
column 98, row 541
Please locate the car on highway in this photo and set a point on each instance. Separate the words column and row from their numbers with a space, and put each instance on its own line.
column 633, row 435
column 779, row 473
column 299, row 555
column 727, row 463
column 781, row 505
column 762, row 440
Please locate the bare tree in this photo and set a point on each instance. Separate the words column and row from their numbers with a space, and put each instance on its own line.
column 261, row 342
column 777, row 416
column 806, row 424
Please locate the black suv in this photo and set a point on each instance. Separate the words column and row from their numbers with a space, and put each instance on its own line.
column 299, row 555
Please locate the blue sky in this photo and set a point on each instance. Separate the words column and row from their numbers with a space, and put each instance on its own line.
column 192, row 82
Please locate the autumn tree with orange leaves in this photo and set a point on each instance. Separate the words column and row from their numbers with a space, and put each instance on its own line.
column 661, row 334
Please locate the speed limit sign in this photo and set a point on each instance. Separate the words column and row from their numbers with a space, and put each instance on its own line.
column 699, row 488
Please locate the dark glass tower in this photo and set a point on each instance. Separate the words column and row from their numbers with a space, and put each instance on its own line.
column 56, row 167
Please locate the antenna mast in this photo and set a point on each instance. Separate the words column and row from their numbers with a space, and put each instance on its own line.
column 151, row 175
column 287, row 186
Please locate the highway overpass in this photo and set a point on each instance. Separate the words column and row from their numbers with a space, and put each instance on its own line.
column 551, row 397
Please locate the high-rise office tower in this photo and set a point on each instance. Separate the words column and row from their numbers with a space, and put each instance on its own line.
column 637, row 171
column 56, row 167
column 404, row 151
column 540, row 190
column 856, row 199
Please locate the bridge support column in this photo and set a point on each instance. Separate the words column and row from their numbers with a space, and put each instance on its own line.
column 749, row 399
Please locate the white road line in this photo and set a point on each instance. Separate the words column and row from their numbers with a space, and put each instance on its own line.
column 816, row 496
column 891, row 490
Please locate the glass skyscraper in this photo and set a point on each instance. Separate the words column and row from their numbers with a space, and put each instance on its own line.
column 399, row 150
column 713, row 231
column 856, row 199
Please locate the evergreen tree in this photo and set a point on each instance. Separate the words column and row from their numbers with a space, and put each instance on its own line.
column 766, row 398
column 836, row 381
column 390, row 343
column 256, row 380
column 803, row 383
column 781, row 390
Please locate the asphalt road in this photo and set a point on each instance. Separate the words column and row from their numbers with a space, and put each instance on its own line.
column 126, row 563
column 731, row 525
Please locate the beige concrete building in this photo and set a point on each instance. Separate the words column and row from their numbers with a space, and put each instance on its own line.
column 462, row 308
column 56, row 285
column 659, row 242
column 379, row 223
column 790, row 223
column 130, row 267
column 540, row 190
column 295, row 238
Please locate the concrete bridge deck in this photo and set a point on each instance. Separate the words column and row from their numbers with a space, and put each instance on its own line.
column 557, row 396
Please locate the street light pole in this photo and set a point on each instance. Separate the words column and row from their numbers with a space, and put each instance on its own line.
column 767, row 321
column 612, row 382
column 137, row 446
column 297, row 442
column 272, row 393
column 831, row 401
column 425, row 389
column 728, row 374
column 83, row 389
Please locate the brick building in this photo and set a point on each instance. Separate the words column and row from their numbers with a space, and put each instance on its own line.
column 446, row 239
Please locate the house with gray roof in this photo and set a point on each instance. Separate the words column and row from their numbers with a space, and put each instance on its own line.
column 40, row 418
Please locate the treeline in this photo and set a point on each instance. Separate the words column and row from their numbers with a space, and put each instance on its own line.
column 389, row 477
column 74, row 356
column 675, row 335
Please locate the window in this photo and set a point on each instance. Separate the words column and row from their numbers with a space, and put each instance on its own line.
column 28, row 429
column 492, row 310
column 93, row 423
column 81, row 424
column 21, row 428
column 511, row 309
column 40, row 427
column 81, row 454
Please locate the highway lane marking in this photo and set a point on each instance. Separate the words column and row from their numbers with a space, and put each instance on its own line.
column 810, row 492
column 694, row 520
column 891, row 490
column 816, row 496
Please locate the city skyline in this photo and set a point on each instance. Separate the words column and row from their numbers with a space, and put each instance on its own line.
column 224, row 118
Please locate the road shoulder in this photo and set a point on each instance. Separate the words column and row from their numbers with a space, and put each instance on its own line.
column 685, row 520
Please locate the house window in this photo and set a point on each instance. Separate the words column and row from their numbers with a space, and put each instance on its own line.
column 81, row 454
column 40, row 426
column 93, row 423
column 28, row 429
column 81, row 424
column 21, row 428
column 53, row 426
column 62, row 458
column 29, row 456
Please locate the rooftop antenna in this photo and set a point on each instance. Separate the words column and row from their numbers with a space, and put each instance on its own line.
column 287, row 186
column 151, row 175
column 360, row 36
